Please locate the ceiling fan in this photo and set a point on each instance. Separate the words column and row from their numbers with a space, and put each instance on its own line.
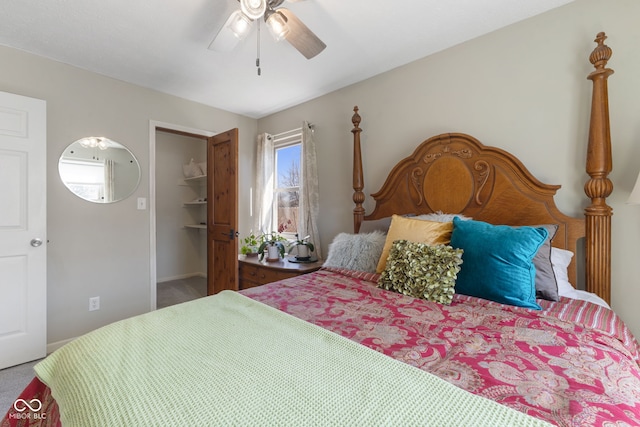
column 282, row 24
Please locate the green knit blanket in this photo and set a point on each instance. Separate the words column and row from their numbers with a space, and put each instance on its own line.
column 228, row 360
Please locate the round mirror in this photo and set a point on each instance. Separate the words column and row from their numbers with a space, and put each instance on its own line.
column 99, row 170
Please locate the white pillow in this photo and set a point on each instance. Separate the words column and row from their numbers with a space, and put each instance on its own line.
column 587, row 296
column 560, row 260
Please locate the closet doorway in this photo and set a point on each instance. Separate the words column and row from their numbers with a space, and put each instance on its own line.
column 190, row 204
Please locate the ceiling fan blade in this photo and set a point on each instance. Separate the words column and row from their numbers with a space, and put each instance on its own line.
column 301, row 37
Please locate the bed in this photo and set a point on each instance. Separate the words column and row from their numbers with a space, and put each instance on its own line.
column 404, row 331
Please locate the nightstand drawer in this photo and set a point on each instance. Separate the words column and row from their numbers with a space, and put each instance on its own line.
column 253, row 272
column 262, row 275
column 248, row 272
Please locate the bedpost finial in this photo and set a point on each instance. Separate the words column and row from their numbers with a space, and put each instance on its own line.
column 356, row 117
column 602, row 53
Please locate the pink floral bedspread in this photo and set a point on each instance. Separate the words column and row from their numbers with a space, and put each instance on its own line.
column 572, row 364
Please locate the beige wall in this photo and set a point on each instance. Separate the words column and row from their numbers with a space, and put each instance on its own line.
column 104, row 250
column 522, row 88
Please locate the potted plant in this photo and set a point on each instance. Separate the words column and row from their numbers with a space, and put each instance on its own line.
column 273, row 244
column 302, row 247
column 250, row 245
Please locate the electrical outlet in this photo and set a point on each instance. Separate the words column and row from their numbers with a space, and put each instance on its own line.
column 94, row 303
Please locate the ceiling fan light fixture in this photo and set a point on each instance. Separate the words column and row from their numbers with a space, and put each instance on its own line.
column 95, row 142
column 239, row 24
column 277, row 24
column 254, row 9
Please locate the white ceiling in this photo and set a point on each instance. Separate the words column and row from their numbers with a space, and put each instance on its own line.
column 162, row 44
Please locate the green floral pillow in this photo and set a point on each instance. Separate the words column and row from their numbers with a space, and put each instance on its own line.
column 422, row 271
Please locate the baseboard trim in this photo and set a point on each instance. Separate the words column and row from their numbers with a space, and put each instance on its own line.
column 51, row 347
column 181, row 276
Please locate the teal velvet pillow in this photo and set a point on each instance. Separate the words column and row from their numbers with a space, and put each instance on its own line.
column 498, row 261
column 422, row 271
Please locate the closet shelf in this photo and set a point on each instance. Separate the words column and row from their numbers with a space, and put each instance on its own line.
column 194, row 180
column 198, row 226
column 198, row 183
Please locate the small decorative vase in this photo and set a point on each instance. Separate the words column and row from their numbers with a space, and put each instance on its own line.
column 272, row 253
column 302, row 252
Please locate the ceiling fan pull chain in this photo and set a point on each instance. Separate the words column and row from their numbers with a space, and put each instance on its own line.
column 258, row 54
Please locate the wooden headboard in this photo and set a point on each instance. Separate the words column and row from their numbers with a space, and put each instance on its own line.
column 456, row 173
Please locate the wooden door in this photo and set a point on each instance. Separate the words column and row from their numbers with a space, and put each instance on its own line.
column 222, row 212
column 23, row 229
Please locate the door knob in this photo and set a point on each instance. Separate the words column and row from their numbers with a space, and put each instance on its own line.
column 231, row 234
column 36, row 242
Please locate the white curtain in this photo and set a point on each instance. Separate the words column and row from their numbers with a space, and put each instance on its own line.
column 109, row 187
column 265, row 175
column 309, row 191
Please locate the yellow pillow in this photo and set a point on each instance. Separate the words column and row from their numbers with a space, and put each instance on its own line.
column 417, row 231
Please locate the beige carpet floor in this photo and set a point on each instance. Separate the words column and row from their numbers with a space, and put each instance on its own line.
column 181, row 290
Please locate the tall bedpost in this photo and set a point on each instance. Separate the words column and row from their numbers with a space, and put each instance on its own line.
column 599, row 187
column 358, row 180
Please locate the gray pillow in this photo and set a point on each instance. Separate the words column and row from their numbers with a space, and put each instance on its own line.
column 546, row 283
column 360, row 252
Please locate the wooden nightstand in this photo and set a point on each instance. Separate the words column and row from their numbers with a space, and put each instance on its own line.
column 254, row 272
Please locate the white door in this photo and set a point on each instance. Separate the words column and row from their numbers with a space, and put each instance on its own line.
column 23, row 233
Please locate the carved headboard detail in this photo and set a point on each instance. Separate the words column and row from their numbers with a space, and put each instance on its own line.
column 456, row 173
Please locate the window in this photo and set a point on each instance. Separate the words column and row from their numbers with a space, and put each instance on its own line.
column 286, row 187
column 84, row 178
column 287, row 184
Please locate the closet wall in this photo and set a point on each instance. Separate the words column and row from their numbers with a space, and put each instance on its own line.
column 180, row 251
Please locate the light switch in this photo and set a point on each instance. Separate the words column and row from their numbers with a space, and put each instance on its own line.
column 142, row 203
